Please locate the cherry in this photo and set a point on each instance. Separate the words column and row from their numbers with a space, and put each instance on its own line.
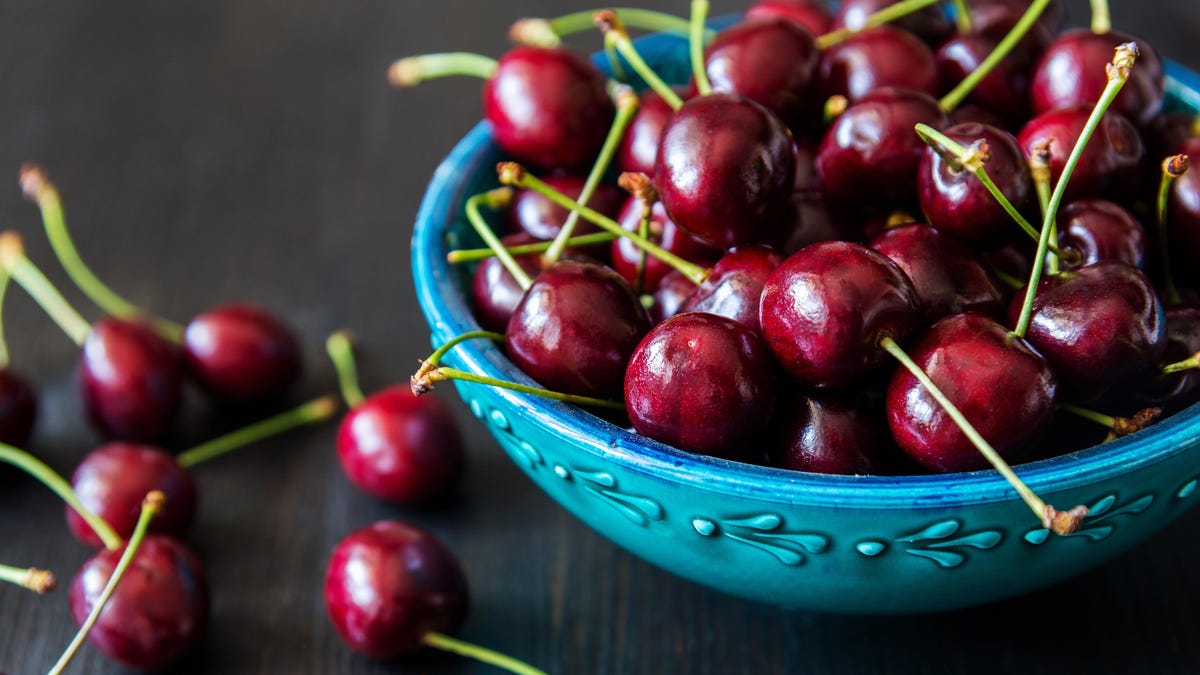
column 1181, row 389
column 825, row 309
column 1110, row 162
column 700, row 382
column 1167, row 132
column 158, row 612
column 131, row 380
column 389, row 585
column 538, row 216
column 930, row 23
column 810, row 15
column 1001, row 384
column 817, row 220
column 1071, row 72
column 645, row 271
column 1096, row 229
column 985, row 14
column 1005, row 90
column 725, row 169
column 669, row 296
column 826, row 432
column 884, row 56
column 494, row 292
column 639, row 145
column 1183, row 220
column 241, row 353
column 733, row 288
column 18, row 408
column 947, row 276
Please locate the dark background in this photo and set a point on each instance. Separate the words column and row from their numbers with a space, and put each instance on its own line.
column 220, row 150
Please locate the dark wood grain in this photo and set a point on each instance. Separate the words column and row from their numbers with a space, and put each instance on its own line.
column 224, row 149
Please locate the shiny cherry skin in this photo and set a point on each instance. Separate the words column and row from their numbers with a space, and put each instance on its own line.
column 670, row 295
column 159, row 611
column 1097, row 229
column 400, row 447
column 773, row 62
column 725, row 169
column 955, row 200
column 1183, row 218
column 734, row 286
column 643, row 270
column 825, row 309
column 18, row 408
column 1005, row 90
column 114, row 479
column 639, row 146
column 702, row 383
column 131, row 379
column 494, row 292
column 1098, row 325
column 1110, row 162
column 929, row 23
column 536, row 215
column 870, row 152
column 388, row 585
column 241, row 353
column 1003, row 386
column 576, row 328
column 1072, row 72
column 810, row 15
column 884, row 56
column 548, row 107
column 830, row 433
column 948, row 276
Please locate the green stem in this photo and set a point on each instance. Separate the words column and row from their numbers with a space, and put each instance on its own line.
column 696, row 46
column 1118, row 73
column 445, row 373
column 474, row 254
column 959, row 93
column 37, row 580
column 411, row 71
column 22, row 269
column 341, row 352
column 1172, row 168
column 59, row 486
column 614, row 63
column 886, row 15
column 962, row 16
column 513, row 174
column 615, row 35
column 4, row 279
column 456, row 646
column 1106, row 421
column 150, row 506
column 1189, row 363
column 627, row 106
column 495, row 199
column 548, row 33
column 312, row 412
column 436, row 357
column 643, row 231
column 1101, row 17
column 41, row 190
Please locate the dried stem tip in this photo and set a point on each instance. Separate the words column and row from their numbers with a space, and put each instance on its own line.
column 498, row 198
column 154, row 501
column 535, row 33
column 1039, row 161
column 510, row 173
column 1176, row 166
column 638, row 185
column 1064, row 522
column 33, row 180
column 1123, row 426
column 40, row 581
column 625, row 98
column 608, row 22
column 405, row 72
column 422, row 381
column 12, row 249
column 1123, row 61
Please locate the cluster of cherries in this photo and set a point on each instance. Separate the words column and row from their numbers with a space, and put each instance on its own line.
column 804, row 212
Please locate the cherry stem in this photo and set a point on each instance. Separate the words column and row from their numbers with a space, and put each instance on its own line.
column 1172, row 168
column 886, row 15
column 495, row 199
column 22, row 269
column 1101, row 17
column 4, row 279
column 413, row 70
column 436, row 357
column 615, row 35
column 960, row 92
column 150, row 506
column 37, row 580
column 1039, row 170
column 962, row 16
column 1008, row 279
column 1190, row 363
column 514, row 174
column 1118, row 72
column 696, row 46
column 1107, row 421
column 627, row 106
column 313, row 412
column 1118, row 427
column 1050, row 517
column 340, row 347
column 59, row 486
column 431, row 377
column 473, row 651
column 474, row 254
column 548, row 33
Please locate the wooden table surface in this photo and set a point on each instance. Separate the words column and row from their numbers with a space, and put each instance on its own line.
column 225, row 150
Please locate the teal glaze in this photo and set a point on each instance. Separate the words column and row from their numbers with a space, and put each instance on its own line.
column 864, row 545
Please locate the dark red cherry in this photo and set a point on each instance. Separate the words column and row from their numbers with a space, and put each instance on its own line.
column 929, row 23
column 643, row 270
column 701, row 383
column 669, row 296
column 955, row 200
column 871, row 153
column 725, row 169
column 1176, row 390
column 241, row 353
column 1072, row 72
column 825, row 309
column 973, row 114
column 986, row 14
column 388, row 585
column 1097, row 325
column 1096, row 229
column 158, row 612
column 575, row 329
column 1005, row 90
column 639, row 145
column 548, row 107
column 947, row 276
column 113, row 480
column 400, row 447
column 1183, row 219
column 810, row 15
column 1003, row 386
column 826, row 432
column 1166, row 133
column 734, row 286
column 880, row 57
column 817, row 220
column 131, row 380
column 494, row 292
column 1109, row 164
column 536, row 215
column 773, row 62
column 18, row 408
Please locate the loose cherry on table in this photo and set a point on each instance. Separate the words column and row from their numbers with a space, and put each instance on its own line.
column 18, row 398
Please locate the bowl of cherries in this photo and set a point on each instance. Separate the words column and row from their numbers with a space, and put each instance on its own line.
column 877, row 309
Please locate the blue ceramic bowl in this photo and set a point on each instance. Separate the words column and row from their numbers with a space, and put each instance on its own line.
column 864, row 545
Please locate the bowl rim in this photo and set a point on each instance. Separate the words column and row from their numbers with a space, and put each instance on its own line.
column 448, row 314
